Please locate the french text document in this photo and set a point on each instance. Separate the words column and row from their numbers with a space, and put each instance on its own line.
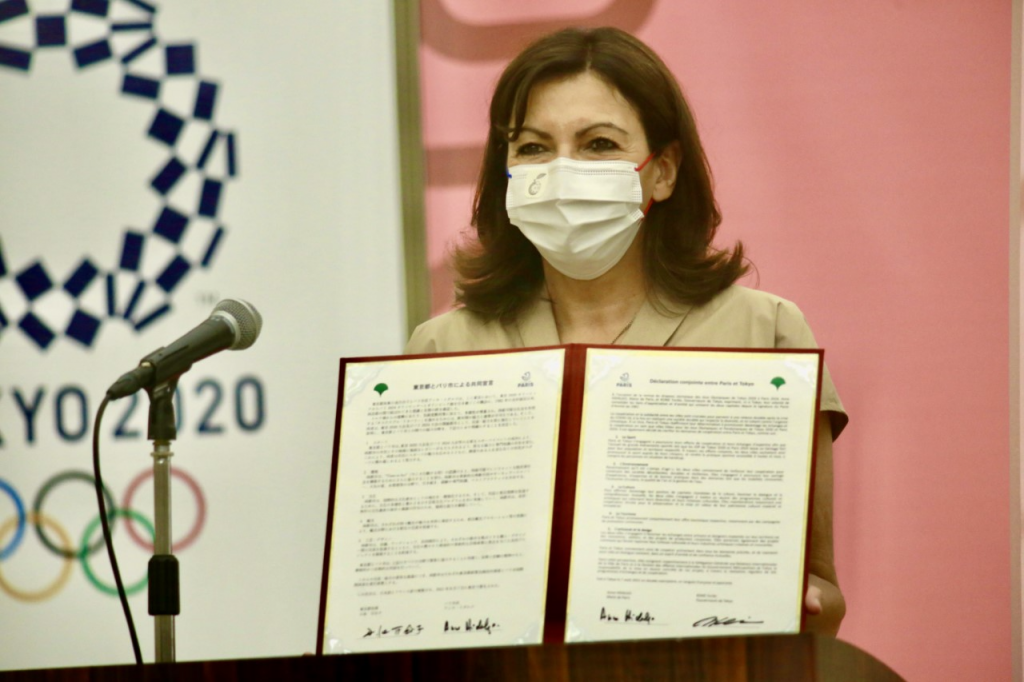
column 692, row 495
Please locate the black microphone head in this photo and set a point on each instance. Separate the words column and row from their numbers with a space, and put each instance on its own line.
column 244, row 320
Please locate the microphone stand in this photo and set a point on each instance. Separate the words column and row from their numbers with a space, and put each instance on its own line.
column 164, row 603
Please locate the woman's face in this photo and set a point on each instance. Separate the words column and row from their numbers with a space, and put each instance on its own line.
column 584, row 118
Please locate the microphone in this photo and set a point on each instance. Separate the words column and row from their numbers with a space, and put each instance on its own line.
column 232, row 324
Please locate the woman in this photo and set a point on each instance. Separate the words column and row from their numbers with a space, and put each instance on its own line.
column 594, row 218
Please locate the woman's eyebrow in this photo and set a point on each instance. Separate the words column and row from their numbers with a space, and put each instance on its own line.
column 603, row 124
column 580, row 133
column 539, row 133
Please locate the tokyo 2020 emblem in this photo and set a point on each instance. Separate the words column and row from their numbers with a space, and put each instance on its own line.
column 106, row 34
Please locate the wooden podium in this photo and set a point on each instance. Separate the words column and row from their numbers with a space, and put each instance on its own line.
column 790, row 658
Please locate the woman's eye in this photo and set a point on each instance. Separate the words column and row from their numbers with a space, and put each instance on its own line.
column 602, row 144
column 529, row 149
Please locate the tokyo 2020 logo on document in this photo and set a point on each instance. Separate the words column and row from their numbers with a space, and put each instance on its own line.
column 196, row 153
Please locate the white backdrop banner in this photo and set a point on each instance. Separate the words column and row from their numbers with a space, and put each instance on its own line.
column 156, row 157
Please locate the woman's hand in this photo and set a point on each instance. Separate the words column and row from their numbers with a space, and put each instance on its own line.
column 812, row 600
column 824, row 605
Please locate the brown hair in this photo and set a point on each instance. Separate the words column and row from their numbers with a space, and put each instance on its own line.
column 501, row 270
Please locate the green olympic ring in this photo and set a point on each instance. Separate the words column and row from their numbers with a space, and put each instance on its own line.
column 84, row 555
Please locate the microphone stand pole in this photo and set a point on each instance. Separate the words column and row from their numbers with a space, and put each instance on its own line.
column 164, row 602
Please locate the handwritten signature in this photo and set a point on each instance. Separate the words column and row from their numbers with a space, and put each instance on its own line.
column 470, row 625
column 715, row 620
column 397, row 630
column 630, row 616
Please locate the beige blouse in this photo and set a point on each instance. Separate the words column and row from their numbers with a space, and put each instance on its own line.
column 736, row 318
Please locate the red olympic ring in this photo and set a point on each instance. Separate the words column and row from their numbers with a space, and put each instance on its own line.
column 200, row 510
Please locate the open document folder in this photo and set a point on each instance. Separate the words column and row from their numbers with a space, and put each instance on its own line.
column 589, row 492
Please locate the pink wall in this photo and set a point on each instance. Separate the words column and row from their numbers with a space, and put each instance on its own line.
column 861, row 152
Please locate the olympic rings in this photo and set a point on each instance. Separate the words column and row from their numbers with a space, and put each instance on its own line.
column 129, row 589
column 46, row 592
column 20, row 532
column 200, row 509
column 56, row 538
column 37, row 507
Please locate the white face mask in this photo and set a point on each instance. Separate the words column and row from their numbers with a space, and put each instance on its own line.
column 581, row 215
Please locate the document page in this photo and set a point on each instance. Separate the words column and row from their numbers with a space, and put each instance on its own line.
column 443, row 502
column 692, row 494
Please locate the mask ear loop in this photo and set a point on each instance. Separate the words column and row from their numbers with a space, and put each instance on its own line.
column 639, row 168
column 645, row 162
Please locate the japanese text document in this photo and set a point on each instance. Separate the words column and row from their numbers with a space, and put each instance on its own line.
column 442, row 502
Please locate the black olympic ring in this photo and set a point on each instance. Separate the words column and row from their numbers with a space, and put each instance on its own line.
column 37, row 509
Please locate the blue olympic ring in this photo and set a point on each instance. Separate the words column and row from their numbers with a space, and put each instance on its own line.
column 210, row 166
column 22, row 521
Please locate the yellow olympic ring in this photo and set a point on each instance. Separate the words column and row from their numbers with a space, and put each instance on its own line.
column 46, row 592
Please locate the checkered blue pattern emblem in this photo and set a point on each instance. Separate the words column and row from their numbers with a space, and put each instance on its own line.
column 128, row 36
